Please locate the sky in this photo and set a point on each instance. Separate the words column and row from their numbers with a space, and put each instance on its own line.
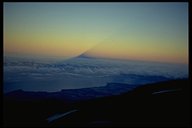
column 136, row 31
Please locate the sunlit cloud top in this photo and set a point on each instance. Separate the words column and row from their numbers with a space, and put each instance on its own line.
column 140, row 31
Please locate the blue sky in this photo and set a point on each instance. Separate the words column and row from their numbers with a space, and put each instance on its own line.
column 141, row 31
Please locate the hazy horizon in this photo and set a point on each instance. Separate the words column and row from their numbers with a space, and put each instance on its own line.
column 128, row 31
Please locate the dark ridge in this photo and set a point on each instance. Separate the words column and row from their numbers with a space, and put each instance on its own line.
column 138, row 108
column 163, row 104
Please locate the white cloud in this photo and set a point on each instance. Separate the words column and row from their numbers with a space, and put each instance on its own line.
column 84, row 72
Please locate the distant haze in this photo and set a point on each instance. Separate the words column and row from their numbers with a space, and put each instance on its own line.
column 136, row 31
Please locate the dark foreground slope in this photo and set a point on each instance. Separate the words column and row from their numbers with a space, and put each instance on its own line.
column 160, row 104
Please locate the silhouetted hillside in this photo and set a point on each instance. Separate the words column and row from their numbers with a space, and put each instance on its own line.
column 159, row 104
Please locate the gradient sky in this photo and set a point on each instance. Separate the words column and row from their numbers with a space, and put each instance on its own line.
column 138, row 31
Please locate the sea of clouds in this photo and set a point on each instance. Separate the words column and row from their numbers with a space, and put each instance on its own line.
column 35, row 75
